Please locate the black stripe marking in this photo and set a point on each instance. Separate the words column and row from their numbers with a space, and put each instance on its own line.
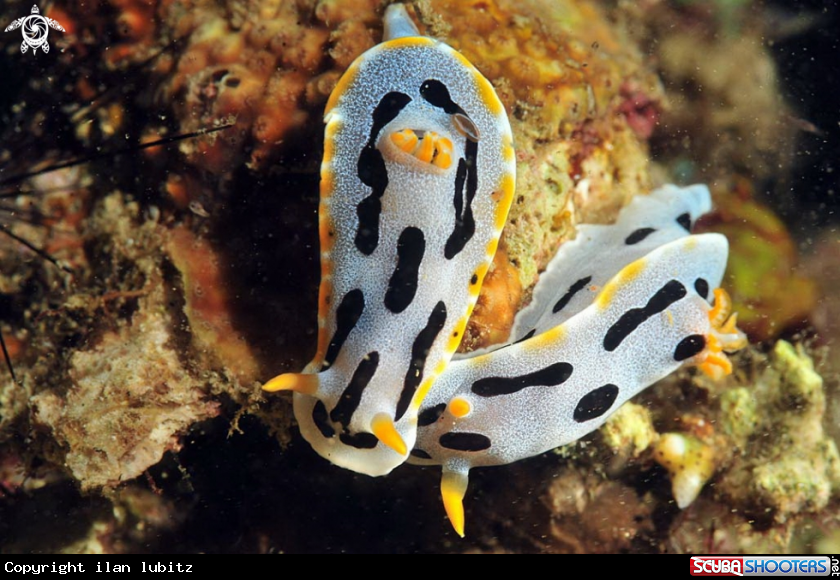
column 359, row 440
column 419, row 352
column 420, row 454
column 702, row 288
column 352, row 395
column 431, row 415
column 633, row 318
column 551, row 376
column 346, row 317
column 595, row 403
column 684, row 219
column 367, row 212
column 436, row 94
column 465, row 441
column 638, row 235
column 464, row 221
column 567, row 297
column 689, row 346
column 321, row 420
column 403, row 283
column 373, row 173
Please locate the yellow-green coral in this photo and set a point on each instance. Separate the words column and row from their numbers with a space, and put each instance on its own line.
column 789, row 465
column 629, row 431
column 739, row 409
column 802, row 387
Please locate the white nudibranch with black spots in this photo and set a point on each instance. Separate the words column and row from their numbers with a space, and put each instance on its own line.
column 597, row 344
column 416, row 182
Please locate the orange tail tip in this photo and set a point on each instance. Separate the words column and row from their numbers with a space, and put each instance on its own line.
column 297, row 382
column 453, row 488
column 383, row 427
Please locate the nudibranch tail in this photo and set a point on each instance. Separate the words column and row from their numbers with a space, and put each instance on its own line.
column 453, row 488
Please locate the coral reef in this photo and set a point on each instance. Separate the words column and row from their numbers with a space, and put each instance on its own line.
column 582, row 99
column 131, row 399
column 207, row 305
column 581, row 504
column 724, row 116
column 194, row 276
column 629, row 431
column 270, row 66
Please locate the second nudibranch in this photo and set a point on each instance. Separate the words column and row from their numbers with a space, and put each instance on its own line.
column 598, row 344
column 416, row 182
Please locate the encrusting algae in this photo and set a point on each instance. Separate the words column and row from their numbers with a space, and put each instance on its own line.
column 796, row 469
column 129, row 397
column 193, row 266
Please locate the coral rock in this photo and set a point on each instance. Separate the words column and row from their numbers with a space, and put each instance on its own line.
column 130, row 401
column 793, row 467
column 689, row 462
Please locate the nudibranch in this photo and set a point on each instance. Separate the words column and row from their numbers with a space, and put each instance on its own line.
column 584, row 347
column 416, row 182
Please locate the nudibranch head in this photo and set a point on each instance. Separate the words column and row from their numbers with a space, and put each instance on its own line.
column 416, row 182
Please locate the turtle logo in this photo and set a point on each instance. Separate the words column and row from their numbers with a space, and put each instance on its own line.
column 35, row 30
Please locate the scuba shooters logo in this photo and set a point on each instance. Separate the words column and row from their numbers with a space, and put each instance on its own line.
column 717, row 566
column 764, row 566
